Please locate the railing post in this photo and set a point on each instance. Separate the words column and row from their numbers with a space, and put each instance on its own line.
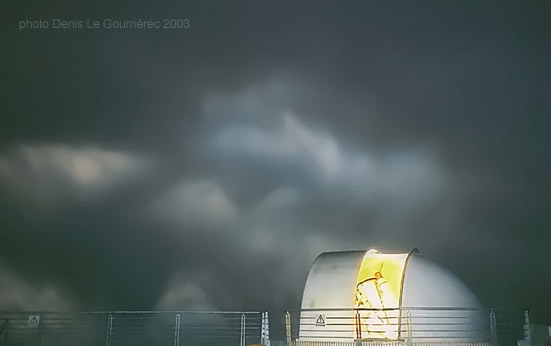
column 39, row 332
column 4, row 332
column 109, row 329
column 177, row 330
column 408, row 314
column 243, row 330
column 493, row 328
column 265, row 330
column 527, row 334
column 358, row 325
column 288, row 328
column 7, row 332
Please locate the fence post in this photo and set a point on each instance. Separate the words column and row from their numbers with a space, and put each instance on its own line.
column 358, row 325
column 408, row 314
column 243, row 330
column 493, row 328
column 262, row 332
column 4, row 332
column 265, row 330
column 39, row 332
column 288, row 327
column 527, row 334
column 177, row 330
column 109, row 329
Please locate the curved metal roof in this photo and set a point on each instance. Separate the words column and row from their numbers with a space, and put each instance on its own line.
column 373, row 289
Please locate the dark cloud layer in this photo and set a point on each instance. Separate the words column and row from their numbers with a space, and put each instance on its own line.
column 206, row 168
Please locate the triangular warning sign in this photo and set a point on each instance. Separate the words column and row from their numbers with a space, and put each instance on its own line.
column 34, row 320
column 320, row 321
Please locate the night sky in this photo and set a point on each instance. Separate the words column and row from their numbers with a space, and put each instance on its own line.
column 206, row 168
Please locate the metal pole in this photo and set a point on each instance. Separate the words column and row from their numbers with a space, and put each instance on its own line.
column 527, row 334
column 4, row 332
column 177, row 330
column 109, row 330
column 408, row 314
column 358, row 324
column 242, row 342
column 262, row 333
column 265, row 333
column 493, row 328
column 39, row 334
column 288, row 327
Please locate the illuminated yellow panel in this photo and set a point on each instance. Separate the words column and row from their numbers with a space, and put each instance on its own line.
column 378, row 288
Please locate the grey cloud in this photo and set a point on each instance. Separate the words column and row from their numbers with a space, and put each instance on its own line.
column 17, row 294
column 196, row 203
column 276, row 131
column 50, row 174
column 293, row 221
column 185, row 292
column 289, row 151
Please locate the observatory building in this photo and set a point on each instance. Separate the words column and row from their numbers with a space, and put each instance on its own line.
column 368, row 295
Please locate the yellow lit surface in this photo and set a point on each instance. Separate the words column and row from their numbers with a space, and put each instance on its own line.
column 378, row 287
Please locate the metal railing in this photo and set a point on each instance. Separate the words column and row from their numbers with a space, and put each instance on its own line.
column 132, row 328
column 337, row 327
column 393, row 325
column 407, row 326
column 377, row 343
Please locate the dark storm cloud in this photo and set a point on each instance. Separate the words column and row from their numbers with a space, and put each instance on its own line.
column 145, row 169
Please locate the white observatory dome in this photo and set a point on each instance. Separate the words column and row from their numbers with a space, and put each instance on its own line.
column 374, row 296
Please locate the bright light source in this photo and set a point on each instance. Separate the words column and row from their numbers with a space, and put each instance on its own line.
column 379, row 286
